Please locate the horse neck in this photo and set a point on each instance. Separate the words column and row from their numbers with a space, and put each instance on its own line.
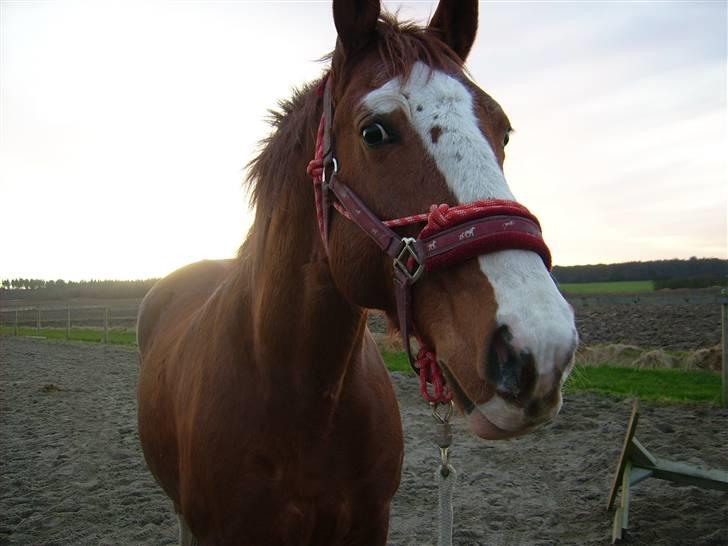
column 305, row 331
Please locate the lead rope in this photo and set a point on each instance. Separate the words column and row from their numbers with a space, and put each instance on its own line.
column 445, row 474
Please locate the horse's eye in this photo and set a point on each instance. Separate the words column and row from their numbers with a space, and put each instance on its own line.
column 374, row 135
column 506, row 138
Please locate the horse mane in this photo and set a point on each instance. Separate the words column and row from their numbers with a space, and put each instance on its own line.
column 402, row 43
column 294, row 123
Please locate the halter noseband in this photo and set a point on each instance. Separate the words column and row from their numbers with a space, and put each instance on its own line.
column 451, row 235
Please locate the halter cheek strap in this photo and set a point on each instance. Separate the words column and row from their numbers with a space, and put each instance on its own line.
column 451, row 235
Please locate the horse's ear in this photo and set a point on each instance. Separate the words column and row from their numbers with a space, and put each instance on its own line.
column 456, row 23
column 355, row 22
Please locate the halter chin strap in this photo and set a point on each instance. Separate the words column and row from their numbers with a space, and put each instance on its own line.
column 451, row 235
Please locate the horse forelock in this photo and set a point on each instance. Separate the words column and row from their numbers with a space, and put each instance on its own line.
column 393, row 51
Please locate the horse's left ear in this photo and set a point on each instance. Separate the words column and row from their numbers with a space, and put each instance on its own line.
column 355, row 22
column 456, row 23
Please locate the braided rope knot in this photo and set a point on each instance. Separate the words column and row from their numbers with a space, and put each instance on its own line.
column 429, row 372
column 438, row 217
column 315, row 169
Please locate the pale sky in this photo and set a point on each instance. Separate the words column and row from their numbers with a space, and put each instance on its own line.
column 125, row 127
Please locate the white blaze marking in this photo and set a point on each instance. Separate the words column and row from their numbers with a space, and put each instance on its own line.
column 528, row 300
column 433, row 99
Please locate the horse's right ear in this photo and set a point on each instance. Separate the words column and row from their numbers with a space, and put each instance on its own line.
column 355, row 22
column 456, row 23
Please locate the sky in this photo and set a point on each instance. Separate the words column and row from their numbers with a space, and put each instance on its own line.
column 125, row 127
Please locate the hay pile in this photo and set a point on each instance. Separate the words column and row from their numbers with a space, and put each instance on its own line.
column 631, row 356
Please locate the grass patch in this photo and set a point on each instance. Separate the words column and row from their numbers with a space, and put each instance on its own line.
column 395, row 361
column 617, row 287
column 93, row 335
column 662, row 385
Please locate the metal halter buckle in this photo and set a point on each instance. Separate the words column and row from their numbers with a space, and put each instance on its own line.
column 400, row 262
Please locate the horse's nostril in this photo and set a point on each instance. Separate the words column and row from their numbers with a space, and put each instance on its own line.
column 513, row 373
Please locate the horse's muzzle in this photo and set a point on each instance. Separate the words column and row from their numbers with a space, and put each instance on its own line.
column 525, row 396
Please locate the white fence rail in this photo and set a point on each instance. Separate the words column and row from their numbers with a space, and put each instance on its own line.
column 103, row 318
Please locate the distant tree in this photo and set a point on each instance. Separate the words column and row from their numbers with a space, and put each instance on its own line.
column 643, row 271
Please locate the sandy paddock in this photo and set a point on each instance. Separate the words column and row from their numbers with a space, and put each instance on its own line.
column 71, row 470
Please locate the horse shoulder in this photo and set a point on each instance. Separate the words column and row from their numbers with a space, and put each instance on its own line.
column 186, row 287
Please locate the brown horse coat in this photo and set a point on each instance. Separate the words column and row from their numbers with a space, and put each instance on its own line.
column 259, row 443
column 265, row 411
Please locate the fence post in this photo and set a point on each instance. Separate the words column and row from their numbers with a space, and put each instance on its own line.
column 68, row 322
column 106, row 325
column 724, row 321
column 16, row 323
column 37, row 322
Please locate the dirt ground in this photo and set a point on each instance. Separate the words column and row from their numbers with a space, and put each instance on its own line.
column 666, row 326
column 71, row 470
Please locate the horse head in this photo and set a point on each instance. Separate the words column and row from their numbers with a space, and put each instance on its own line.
column 412, row 130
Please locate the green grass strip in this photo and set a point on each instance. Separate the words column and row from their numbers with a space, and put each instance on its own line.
column 93, row 335
column 617, row 287
column 660, row 385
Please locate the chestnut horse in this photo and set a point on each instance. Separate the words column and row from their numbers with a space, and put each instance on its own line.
column 265, row 411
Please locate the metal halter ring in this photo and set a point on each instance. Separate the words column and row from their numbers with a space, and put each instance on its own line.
column 442, row 419
column 335, row 171
column 400, row 262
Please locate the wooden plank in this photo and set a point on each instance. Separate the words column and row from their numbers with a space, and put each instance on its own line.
column 691, row 475
column 621, row 517
column 624, row 508
column 623, row 456
column 617, row 526
column 639, row 455
column 639, row 474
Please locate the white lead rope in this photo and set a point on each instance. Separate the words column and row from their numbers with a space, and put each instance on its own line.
column 445, row 484
column 445, row 475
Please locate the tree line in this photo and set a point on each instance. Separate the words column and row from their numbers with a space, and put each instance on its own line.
column 692, row 273
column 712, row 270
column 21, row 288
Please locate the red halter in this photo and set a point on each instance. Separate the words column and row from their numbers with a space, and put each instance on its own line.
column 451, row 235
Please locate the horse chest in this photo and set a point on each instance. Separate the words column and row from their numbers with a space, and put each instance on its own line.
column 299, row 486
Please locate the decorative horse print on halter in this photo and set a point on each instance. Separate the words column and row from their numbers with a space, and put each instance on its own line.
column 470, row 233
column 265, row 411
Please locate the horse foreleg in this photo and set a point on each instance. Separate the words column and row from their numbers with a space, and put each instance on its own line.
column 186, row 538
